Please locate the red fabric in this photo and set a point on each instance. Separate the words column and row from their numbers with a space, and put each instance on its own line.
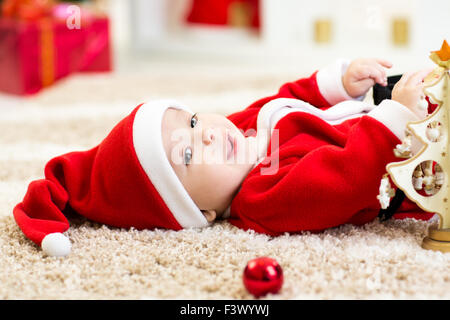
column 303, row 89
column 216, row 12
column 105, row 184
column 431, row 106
column 409, row 209
column 75, row 50
column 209, row 12
column 328, row 175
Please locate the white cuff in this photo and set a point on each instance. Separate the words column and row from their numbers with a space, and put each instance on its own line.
column 393, row 115
column 329, row 81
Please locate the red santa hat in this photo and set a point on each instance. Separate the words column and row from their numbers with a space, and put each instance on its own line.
column 126, row 181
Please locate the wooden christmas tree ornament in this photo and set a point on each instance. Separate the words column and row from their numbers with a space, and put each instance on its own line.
column 424, row 177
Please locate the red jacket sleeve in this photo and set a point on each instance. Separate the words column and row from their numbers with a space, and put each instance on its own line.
column 322, row 181
column 305, row 89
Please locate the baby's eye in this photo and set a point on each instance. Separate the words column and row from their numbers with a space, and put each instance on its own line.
column 194, row 120
column 187, row 155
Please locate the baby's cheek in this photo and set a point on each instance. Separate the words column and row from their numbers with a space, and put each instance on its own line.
column 217, row 172
column 216, row 177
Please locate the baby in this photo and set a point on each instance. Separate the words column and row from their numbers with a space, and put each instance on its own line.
column 307, row 158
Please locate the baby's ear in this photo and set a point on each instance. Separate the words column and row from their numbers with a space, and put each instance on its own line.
column 210, row 215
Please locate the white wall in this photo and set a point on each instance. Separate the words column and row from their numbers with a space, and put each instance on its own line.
column 360, row 28
column 359, row 24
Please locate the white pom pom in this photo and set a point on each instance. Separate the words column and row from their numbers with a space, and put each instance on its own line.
column 433, row 134
column 56, row 244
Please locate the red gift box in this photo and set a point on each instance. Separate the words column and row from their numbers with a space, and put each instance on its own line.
column 34, row 54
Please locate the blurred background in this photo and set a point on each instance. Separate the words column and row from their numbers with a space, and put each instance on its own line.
column 218, row 54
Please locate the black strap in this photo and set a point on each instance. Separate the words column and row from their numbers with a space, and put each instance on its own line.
column 381, row 93
column 386, row 214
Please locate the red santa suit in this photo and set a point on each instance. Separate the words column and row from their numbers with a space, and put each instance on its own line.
column 322, row 158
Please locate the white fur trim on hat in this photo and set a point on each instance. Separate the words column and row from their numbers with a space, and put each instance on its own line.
column 56, row 245
column 148, row 144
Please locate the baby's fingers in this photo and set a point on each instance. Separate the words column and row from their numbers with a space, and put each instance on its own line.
column 404, row 79
column 380, row 65
column 384, row 63
column 377, row 74
column 417, row 78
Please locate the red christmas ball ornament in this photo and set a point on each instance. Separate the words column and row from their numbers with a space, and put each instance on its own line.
column 262, row 276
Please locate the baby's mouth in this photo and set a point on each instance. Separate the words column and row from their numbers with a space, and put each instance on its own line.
column 230, row 146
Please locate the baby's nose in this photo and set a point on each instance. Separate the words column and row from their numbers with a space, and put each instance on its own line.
column 208, row 136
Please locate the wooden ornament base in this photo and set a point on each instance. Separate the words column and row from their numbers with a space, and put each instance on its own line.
column 437, row 239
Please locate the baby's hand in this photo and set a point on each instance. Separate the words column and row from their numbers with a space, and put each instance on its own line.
column 362, row 74
column 409, row 89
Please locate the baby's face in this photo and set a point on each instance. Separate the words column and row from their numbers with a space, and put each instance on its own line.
column 210, row 156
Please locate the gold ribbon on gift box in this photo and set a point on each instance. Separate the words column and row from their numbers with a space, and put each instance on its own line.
column 47, row 52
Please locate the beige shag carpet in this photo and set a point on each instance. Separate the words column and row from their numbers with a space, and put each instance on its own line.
column 381, row 260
